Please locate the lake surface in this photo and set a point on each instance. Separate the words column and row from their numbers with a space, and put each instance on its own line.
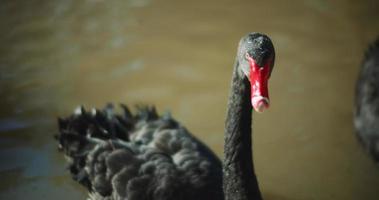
column 178, row 55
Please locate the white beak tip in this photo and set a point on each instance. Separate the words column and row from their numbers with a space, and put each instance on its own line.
column 260, row 104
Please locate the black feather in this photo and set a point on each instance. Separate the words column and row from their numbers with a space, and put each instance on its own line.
column 366, row 113
column 141, row 156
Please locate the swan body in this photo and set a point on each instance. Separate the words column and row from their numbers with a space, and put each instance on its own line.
column 146, row 156
column 141, row 156
column 366, row 115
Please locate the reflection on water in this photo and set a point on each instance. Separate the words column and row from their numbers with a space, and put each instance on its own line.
column 178, row 55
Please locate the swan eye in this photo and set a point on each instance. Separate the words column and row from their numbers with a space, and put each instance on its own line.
column 247, row 56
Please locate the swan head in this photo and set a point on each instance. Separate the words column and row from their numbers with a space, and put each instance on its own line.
column 256, row 56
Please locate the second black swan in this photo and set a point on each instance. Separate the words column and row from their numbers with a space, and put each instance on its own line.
column 146, row 156
column 366, row 114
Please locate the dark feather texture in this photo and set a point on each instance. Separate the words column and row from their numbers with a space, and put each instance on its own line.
column 136, row 157
column 366, row 115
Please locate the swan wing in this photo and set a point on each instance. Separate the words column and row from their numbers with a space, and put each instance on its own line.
column 137, row 156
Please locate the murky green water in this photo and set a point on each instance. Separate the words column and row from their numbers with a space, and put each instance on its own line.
column 178, row 55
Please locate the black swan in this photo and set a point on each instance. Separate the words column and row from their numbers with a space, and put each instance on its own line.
column 147, row 156
column 366, row 115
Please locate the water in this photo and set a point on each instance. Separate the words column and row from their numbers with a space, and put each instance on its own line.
column 178, row 55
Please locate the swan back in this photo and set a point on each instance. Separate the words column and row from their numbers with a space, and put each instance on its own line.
column 140, row 156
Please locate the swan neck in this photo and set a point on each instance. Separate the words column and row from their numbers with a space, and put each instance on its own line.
column 239, row 180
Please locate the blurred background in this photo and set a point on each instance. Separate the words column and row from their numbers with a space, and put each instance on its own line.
column 178, row 55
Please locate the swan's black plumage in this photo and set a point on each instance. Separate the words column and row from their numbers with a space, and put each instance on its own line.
column 240, row 181
column 146, row 156
column 366, row 115
column 141, row 156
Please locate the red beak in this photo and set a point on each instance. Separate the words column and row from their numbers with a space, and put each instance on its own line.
column 259, row 88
